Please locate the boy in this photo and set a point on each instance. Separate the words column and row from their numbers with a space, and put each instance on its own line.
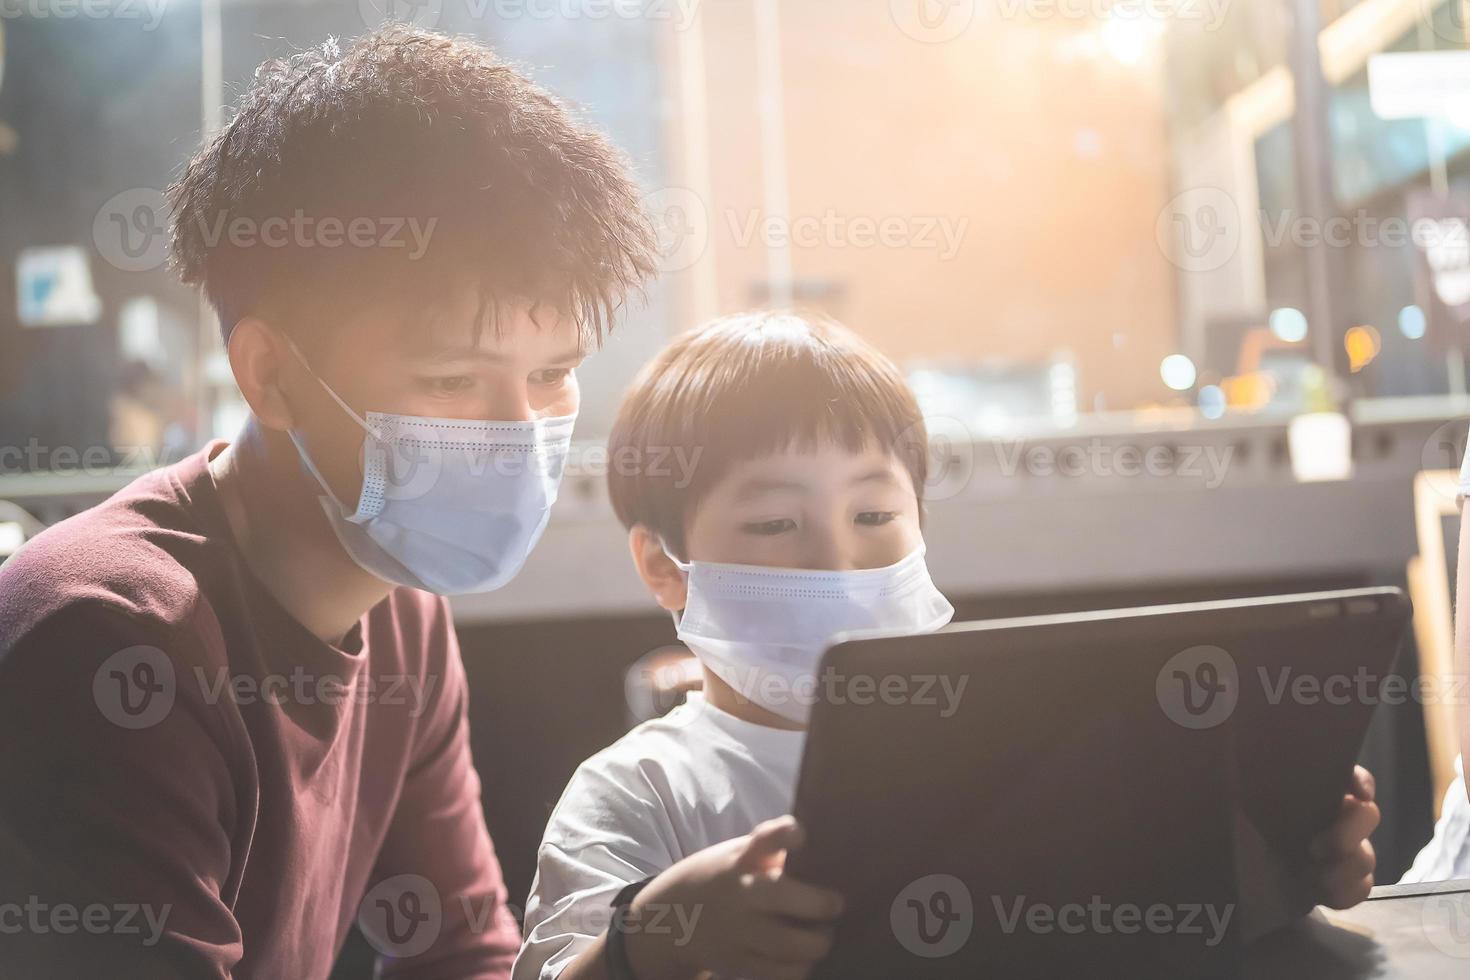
column 1447, row 855
column 203, row 679
column 806, row 496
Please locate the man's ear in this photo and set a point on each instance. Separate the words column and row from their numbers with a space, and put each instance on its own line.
column 258, row 356
column 667, row 584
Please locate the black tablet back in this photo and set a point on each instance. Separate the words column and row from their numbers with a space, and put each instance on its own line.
column 1064, row 796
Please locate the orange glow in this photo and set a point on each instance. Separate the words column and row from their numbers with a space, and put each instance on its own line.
column 1248, row 391
column 1363, row 344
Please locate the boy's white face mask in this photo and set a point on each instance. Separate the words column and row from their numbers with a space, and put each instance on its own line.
column 763, row 630
column 447, row 505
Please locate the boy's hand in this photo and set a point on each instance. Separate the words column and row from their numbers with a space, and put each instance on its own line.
column 1342, row 854
column 732, row 910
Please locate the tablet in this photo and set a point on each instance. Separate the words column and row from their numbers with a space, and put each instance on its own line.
column 1119, row 793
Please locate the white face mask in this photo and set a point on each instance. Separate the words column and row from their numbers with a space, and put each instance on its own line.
column 447, row 505
column 763, row 630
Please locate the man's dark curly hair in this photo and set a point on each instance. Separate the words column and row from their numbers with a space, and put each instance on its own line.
column 406, row 126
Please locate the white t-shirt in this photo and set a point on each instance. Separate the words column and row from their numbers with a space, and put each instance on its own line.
column 669, row 788
column 1447, row 855
column 1465, row 475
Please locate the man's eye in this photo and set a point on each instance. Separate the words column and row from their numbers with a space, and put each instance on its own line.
column 447, row 386
column 876, row 518
column 550, row 376
column 778, row 526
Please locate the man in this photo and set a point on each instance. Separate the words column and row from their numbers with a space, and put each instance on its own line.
column 228, row 731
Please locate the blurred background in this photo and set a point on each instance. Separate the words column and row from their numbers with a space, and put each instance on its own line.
column 1183, row 286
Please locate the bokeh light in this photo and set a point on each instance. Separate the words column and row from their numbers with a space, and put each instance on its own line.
column 1212, row 401
column 1412, row 322
column 1178, row 372
column 1289, row 324
column 1363, row 344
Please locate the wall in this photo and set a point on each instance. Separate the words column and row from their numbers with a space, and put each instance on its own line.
column 1024, row 134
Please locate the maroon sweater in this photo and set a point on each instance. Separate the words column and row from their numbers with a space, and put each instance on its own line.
column 193, row 785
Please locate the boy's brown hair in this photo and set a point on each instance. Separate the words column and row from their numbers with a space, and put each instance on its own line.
column 745, row 386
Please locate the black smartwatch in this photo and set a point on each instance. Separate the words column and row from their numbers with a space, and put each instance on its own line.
column 614, row 953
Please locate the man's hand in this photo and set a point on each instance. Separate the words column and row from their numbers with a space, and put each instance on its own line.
column 732, row 910
column 1342, row 855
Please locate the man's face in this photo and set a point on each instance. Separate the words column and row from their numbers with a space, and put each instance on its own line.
column 517, row 371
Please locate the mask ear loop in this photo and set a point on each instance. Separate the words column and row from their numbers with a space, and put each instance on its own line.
column 684, row 566
column 335, row 397
column 687, row 567
column 296, row 440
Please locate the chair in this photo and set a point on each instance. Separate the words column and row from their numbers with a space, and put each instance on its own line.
column 1434, row 632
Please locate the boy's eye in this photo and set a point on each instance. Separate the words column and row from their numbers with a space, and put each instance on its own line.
column 778, row 526
column 453, row 385
column 550, row 376
column 876, row 518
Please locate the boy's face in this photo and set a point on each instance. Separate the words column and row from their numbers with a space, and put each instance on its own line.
column 828, row 509
column 521, row 371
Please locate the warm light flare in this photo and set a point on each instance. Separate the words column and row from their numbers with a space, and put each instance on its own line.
column 1363, row 345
